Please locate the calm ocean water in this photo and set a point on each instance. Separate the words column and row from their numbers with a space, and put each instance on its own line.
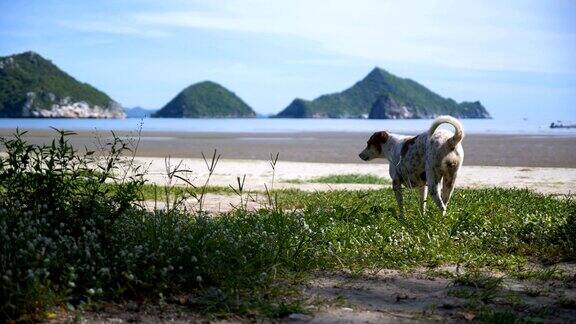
column 265, row 125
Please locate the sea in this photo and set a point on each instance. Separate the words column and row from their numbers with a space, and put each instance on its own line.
column 284, row 125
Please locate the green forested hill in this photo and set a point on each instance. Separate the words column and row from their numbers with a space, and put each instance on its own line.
column 206, row 100
column 32, row 86
column 383, row 95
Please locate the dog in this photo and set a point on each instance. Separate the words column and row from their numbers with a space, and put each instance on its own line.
column 421, row 161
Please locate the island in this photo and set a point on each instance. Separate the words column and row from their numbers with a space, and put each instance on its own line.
column 206, row 100
column 382, row 95
column 32, row 86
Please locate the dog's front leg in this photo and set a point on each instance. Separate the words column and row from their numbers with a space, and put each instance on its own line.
column 397, row 187
column 423, row 197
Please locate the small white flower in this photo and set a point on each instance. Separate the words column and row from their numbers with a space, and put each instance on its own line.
column 91, row 291
column 71, row 284
column 199, row 278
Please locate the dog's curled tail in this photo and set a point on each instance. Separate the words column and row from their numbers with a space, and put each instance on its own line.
column 452, row 121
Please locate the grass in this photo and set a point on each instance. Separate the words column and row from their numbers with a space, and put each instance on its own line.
column 154, row 191
column 552, row 273
column 345, row 178
column 74, row 237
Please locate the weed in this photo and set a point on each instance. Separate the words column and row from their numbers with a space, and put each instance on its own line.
column 546, row 274
column 272, row 199
column 566, row 302
column 211, row 166
column 477, row 279
column 239, row 191
column 485, row 286
column 498, row 317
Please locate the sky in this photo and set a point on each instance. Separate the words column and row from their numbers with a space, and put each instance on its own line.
column 517, row 57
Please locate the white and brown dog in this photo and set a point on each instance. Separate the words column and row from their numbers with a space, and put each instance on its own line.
column 421, row 161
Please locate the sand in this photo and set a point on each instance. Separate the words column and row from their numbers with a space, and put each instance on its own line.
column 331, row 147
column 559, row 181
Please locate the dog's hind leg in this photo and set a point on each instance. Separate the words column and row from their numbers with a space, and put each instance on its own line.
column 448, row 187
column 397, row 187
column 433, row 181
column 423, row 196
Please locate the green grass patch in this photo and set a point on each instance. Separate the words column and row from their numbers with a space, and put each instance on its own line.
column 159, row 192
column 345, row 178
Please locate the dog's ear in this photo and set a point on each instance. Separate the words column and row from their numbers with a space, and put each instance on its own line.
column 377, row 139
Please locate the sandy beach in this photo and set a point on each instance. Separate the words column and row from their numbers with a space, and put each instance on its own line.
column 559, row 181
column 328, row 147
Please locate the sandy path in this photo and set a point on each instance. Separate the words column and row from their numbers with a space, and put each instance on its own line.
column 391, row 296
column 388, row 296
column 560, row 181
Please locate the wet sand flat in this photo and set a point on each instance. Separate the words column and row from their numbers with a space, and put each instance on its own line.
column 330, row 147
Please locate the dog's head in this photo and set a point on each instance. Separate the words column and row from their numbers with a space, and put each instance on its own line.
column 374, row 146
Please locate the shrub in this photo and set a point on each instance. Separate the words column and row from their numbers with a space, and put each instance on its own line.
column 57, row 215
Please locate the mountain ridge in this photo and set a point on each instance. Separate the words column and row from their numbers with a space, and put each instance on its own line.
column 406, row 99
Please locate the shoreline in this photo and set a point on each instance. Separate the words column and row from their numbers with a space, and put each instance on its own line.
column 472, row 126
column 325, row 147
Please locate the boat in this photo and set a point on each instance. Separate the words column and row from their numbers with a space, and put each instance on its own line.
column 561, row 124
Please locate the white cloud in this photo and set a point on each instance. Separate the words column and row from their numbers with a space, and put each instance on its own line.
column 461, row 34
column 112, row 27
column 484, row 35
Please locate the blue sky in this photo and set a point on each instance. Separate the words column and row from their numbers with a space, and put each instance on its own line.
column 517, row 57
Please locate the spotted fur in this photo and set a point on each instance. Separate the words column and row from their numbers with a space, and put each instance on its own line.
column 427, row 161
